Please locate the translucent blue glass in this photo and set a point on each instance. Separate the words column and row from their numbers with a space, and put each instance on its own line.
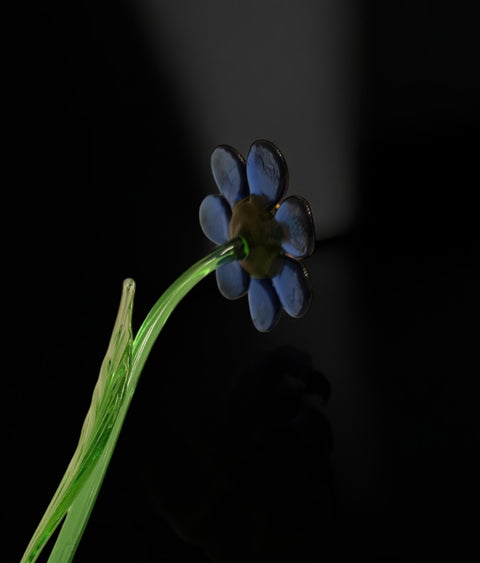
column 267, row 171
column 295, row 217
column 232, row 280
column 265, row 307
column 228, row 169
column 214, row 218
column 293, row 287
column 277, row 233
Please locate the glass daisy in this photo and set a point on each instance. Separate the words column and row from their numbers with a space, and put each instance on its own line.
column 277, row 232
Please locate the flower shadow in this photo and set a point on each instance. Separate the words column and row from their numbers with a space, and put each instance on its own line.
column 243, row 468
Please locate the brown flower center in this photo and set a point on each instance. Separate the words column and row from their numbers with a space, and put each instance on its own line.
column 253, row 220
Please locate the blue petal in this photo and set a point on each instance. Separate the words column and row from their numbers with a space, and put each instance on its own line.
column 215, row 215
column 228, row 169
column 232, row 280
column 265, row 308
column 267, row 171
column 293, row 287
column 295, row 216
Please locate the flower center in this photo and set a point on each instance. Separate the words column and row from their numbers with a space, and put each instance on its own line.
column 253, row 220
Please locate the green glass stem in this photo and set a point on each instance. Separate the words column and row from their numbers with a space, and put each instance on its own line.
column 121, row 369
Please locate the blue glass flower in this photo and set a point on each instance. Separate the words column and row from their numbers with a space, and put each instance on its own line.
column 278, row 233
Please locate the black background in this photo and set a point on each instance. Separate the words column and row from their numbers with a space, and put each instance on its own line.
column 98, row 190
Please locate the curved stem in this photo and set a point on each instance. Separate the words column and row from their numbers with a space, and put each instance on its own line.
column 155, row 320
column 80, row 508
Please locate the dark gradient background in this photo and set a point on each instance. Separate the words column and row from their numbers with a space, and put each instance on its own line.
column 349, row 433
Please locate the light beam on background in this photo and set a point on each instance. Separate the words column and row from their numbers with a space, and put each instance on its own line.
column 273, row 69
